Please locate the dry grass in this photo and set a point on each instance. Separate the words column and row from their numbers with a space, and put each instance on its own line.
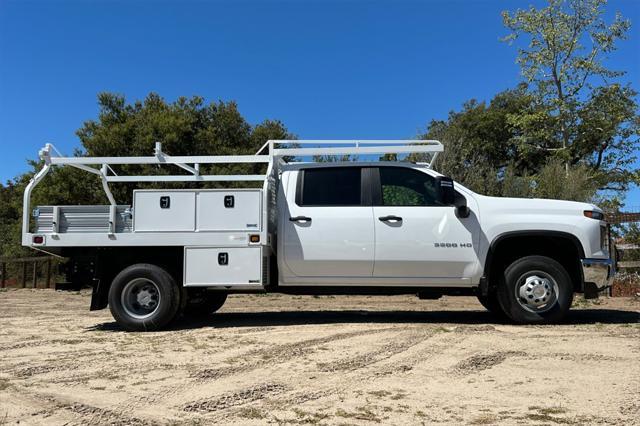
column 360, row 413
column 251, row 413
column 309, row 417
column 484, row 419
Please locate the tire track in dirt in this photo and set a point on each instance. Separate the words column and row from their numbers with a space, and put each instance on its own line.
column 480, row 362
column 254, row 359
column 388, row 350
column 353, row 366
column 409, row 362
column 234, row 399
column 358, row 367
column 64, row 368
column 38, row 342
column 19, row 371
column 87, row 414
column 274, row 355
column 259, row 358
column 27, row 372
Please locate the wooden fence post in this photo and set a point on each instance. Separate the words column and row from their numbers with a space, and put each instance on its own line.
column 36, row 263
column 35, row 274
column 49, row 273
column 24, row 274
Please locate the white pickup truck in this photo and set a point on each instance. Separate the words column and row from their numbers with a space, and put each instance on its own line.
column 370, row 227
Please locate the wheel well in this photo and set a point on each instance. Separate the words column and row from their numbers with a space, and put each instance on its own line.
column 106, row 263
column 564, row 248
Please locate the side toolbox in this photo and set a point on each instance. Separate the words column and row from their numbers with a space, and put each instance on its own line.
column 161, row 211
column 206, row 210
column 229, row 210
column 210, row 266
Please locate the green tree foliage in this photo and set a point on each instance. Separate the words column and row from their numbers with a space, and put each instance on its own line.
column 482, row 151
column 553, row 181
column 188, row 126
column 568, row 131
column 10, row 219
column 632, row 235
column 480, row 145
column 582, row 115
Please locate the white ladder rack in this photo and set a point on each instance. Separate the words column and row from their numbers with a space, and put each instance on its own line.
column 273, row 157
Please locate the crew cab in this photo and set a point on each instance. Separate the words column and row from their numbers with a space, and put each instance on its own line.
column 318, row 227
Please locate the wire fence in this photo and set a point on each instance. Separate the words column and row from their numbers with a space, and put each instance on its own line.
column 628, row 215
column 29, row 272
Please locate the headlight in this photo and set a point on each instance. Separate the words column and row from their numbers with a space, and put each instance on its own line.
column 594, row 214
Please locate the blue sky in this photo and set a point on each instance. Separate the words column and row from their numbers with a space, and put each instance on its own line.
column 352, row 69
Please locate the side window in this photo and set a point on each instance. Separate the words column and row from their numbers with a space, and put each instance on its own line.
column 402, row 186
column 332, row 186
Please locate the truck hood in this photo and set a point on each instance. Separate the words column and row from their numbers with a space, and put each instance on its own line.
column 534, row 205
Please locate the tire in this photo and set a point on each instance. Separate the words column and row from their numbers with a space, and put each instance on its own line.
column 204, row 303
column 144, row 297
column 491, row 304
column 535, row 290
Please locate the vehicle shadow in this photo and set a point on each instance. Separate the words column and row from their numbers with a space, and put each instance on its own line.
column 287, row 318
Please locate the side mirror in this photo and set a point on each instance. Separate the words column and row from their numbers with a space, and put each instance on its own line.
column 447, row 195
column 462, row 210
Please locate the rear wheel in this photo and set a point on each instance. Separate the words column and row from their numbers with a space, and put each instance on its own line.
column 535, row 290
column 143, row 297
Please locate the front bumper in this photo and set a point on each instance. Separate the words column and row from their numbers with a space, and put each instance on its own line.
column 598, row 272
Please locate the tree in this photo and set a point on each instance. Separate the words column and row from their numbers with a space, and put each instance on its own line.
column 584, row 116
column 632, row 235
column 483, row 151
column 554, row 181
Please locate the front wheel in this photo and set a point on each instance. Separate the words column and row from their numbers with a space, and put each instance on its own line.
column 143, row 297
column 535, row 290
column 491, row 303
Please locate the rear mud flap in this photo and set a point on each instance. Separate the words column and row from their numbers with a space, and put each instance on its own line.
column 99, row 296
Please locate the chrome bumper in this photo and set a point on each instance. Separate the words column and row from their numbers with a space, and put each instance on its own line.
column 598, row 272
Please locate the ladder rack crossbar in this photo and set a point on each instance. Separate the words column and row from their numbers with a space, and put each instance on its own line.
column 360, row 142
column 355, row 150
column 187, row 178
column 209, row 159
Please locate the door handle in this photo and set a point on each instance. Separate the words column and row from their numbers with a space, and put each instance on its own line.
column 300, row 219
column 390, row 218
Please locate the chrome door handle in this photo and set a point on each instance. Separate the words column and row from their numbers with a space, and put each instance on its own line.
column 300, row 219
column 390, row 218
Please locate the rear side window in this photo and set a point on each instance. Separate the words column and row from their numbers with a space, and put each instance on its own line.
column 407, row 187
column 334, row 186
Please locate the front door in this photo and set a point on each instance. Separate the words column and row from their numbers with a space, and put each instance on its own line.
column 328, row 226
column 416, row 236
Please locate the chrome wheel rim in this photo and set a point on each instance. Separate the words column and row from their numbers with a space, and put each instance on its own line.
column 140, row 298
column 537, row 291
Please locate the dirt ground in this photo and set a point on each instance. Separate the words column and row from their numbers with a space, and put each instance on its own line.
column 318, row 360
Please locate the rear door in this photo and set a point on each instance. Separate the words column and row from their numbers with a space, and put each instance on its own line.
column 416, row 236
column 329, row 229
